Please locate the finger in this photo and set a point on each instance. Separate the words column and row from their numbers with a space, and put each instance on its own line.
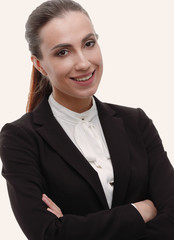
column 58, row 214
column 48, row 201
column 54, row 208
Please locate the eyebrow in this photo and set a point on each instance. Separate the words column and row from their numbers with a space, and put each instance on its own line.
column 70, row 45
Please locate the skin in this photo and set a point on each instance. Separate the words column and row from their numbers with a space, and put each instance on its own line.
column 147, row 210
column 52, row 207
column 72, row 52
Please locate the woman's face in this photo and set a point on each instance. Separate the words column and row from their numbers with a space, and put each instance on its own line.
column 71, row 57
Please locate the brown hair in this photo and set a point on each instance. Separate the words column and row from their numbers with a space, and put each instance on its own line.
column 40, row 85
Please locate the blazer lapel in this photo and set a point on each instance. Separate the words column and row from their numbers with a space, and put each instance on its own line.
column 117, row 142
column 51, row 131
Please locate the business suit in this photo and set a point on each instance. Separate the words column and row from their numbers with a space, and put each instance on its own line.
column 38, row 157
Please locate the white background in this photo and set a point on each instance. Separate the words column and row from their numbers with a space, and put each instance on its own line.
column 137, row 41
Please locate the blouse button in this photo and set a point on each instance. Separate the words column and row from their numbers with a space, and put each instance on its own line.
column 111, row 183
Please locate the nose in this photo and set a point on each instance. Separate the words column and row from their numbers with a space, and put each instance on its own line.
column 82, row 62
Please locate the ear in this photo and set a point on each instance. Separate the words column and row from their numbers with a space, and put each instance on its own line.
column 37, row 65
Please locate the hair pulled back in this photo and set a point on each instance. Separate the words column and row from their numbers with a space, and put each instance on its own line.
column 40, row 85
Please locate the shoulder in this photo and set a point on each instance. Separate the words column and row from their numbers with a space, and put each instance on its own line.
column 23, row 122
column 134, row 120
column 21, row 131
column 25, row 130
column 26, row 122
column 131, row 117
column 18, row 132
column 125, row 112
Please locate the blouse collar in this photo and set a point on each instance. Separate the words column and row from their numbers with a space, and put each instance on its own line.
column 70, row 116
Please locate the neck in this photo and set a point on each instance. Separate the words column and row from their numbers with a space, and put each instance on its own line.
column 74, row 104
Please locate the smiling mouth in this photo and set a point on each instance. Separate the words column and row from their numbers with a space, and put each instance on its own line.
column 83, row 79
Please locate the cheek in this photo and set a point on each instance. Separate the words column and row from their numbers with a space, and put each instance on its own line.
column 97, row 58
column 59, row 74
column 63, row 67
column 56, row 70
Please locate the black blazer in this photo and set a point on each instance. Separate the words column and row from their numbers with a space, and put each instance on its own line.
column 38, row 157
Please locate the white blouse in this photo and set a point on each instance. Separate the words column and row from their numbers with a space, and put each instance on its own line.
column 85, row 131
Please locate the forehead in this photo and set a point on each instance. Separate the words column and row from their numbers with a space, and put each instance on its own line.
column 69, row 28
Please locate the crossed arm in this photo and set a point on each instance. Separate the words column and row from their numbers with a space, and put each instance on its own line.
column 146, row 208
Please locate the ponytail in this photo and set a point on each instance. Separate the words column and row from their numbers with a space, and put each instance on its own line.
column 39, row 88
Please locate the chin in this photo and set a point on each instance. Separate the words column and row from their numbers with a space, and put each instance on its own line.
column 87, row 95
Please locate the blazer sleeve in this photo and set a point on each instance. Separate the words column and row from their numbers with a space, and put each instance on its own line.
column 161, row 182
column 26, row 184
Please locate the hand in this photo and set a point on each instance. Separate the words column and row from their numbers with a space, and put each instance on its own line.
column 147, row 210
column 52, row 207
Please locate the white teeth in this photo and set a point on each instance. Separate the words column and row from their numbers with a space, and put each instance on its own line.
column 83, row 79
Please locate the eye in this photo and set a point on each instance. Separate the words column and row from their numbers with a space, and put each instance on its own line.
column 90, row 43
column 62, row 53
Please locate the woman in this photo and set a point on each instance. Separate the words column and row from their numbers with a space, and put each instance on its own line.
column 103, row 166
